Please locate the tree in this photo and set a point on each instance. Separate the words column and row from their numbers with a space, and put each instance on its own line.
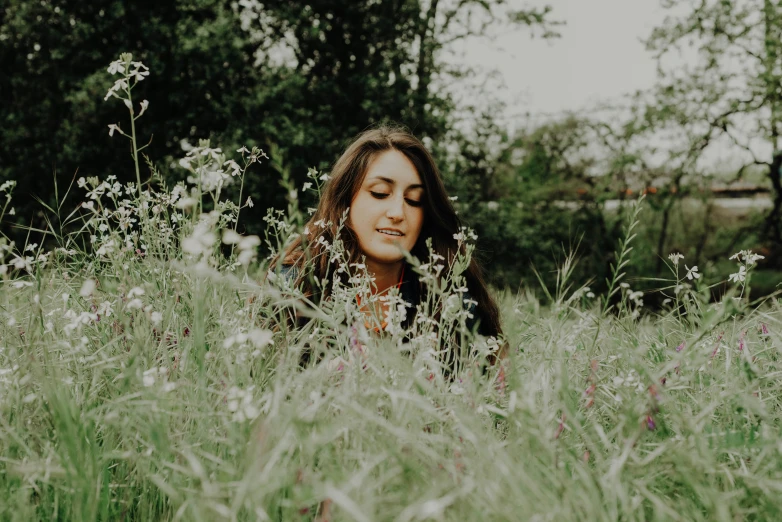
column 306, row 77
column 733, row 94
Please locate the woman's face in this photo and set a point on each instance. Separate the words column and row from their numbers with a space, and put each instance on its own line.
column 387, row 212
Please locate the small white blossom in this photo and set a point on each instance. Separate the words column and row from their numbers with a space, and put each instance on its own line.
column 692, row 273
column 87, row 288
column 739, row 276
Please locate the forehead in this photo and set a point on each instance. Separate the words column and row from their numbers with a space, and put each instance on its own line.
column 392, row 167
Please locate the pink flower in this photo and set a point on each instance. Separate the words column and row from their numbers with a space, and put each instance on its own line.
column 560, row 428
column 681, row 346
column 650, row 425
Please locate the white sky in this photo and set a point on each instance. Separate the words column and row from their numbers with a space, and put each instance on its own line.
column 598, row 58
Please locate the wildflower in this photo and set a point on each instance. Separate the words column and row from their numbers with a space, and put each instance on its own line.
column 561, row 427
column 144, row 105
column 156, row 318
column 692, row 273
column 116, row 67
column 200, row 241
column 87, row 288
column 650, row 424
column 230, row 237
column 260, row 338
column 681, row 346
column 763, row 329
column 675, row 258
column 243, row 150
column 240, row 403
column 739, row 276
column 149, row 377
column 249, row 203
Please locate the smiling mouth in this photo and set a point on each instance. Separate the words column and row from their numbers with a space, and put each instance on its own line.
column 392, row 233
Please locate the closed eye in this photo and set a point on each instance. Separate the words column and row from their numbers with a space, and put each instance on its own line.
column 383, row 195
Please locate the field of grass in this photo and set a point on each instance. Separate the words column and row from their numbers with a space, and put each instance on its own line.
column 145, row 374
column 158, row 394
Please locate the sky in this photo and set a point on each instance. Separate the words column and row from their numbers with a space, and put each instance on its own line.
column 599, row 57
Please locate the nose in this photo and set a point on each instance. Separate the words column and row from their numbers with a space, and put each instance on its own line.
column 396, row 209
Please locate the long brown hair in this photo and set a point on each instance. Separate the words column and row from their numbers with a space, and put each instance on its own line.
column 440, row 220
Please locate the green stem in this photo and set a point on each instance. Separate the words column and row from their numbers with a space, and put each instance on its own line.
column 133, row 140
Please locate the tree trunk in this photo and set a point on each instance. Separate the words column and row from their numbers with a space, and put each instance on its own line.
column 772, row 229
column 424, row 69
column 663, row 235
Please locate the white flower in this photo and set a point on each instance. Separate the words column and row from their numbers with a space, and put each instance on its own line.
column 325, row 177
column 113, row 127
column 136, row 291
column 200, row 242
column 144, row 105
column 230, row 237
column 739, row 276
column 185, row 203
column 260, row 338
column 675, row 258
column 249, row 242
column 149, row 377
column 87, row 288
column 116, row 67
column 692, row 273
column 156, row 318
column 134, row 304
column 249, row 202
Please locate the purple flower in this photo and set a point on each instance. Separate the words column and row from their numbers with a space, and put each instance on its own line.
column 650, row 423
column 681, row 346
column 763, row 328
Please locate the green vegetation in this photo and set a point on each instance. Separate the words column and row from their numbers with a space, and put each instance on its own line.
column 146, row 374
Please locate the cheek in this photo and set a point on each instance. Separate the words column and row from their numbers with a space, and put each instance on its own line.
column 417, row 219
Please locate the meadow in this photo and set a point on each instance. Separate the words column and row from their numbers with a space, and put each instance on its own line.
column 147, row 372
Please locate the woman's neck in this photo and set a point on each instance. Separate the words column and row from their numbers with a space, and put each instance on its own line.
column 386, row 275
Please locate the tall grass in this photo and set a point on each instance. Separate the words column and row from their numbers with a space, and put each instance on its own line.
column 146, row 376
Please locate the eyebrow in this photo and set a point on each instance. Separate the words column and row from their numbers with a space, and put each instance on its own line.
column 392, row 182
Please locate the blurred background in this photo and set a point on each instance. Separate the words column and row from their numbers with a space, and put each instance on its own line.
column 546, row 118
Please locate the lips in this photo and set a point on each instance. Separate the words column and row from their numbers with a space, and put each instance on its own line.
column 390, row 232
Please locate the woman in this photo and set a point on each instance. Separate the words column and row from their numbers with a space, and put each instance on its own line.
column 388, row 187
